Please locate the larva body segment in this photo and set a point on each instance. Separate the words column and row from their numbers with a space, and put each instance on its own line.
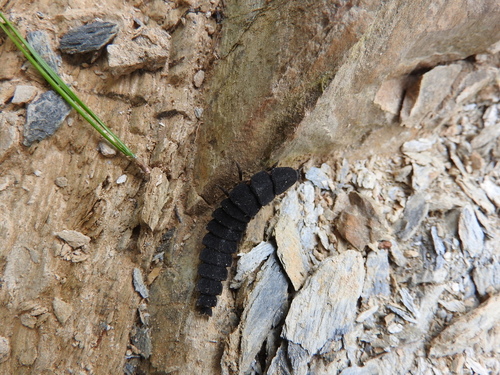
column 262, row 186
column 233, row 211
column 223, row 232
column 228, row 221
column 215, row 257
column 245, row 200
column 228, row 225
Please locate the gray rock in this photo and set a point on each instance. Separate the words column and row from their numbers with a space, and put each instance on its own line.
column 377, row 275
column 141, row 339
column 88, row 38
column 248, row 262
column 139, row 285
column 470, row 232
column 44, row 116
column 74, row 238
column 40, row 42
column 487, row 278
column 266, row 307
column 326, row 306
column 414, row 213
column 439, row 247
column 319, row 176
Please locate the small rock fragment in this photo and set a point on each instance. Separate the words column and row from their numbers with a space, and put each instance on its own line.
column 474, row 192
column 28, row 320
column 470, row 232
column 40, row 42
column 4, row 349
column 290, row 251
column 418, row 145
column 248, row 262
column 414, row 213
column 88, row 38
column 149, row 51
column 397, row 255
column 61, row 182
column 377, row 275
column 266, row 306
column 62, row 310
column 122, row 179
column 44, row 116
column 23, row 94
column 326, row 306
column 139, row 285
column 492, row 190
column 319, row 176
column 198, row 78
column 27, row 355
column 439, row 248
column 106, row 149
column 359, row 223
column 390, row 95
column 367, row 314
column 434, row 86
column 141, row 339
column 73, row 238
column 487, row 278
column 198, row 112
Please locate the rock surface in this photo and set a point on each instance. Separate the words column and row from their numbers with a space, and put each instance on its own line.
column 319, row 86
column 44, row 116
column 88, row 38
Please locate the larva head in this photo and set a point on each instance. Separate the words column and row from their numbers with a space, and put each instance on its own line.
column 283, row 178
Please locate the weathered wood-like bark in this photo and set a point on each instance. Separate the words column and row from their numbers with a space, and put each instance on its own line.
column 285, row 80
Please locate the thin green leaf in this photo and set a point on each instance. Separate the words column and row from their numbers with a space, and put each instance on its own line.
column 62, row 89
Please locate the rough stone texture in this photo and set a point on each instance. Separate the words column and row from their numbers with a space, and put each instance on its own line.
column 344, row 60
column 23, row 94
column 147, row 49
column 40, row 42
column 44, row 116
column 261, row 90
column 88, row 38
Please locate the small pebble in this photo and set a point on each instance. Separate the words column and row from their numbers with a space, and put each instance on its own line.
column 198, row 112
column 61, row 182
column 23, row 94
column 106, row 149
column 198, row 78
column 62, row 310
column 121, row 179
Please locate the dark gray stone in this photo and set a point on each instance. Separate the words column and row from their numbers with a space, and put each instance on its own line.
column 141, row 339
column 40, row 42
column 44, row 116
column 88, row 38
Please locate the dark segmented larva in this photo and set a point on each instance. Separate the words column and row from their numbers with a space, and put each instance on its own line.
column 227, row 227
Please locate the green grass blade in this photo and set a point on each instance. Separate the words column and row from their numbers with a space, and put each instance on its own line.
column 62, row 89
